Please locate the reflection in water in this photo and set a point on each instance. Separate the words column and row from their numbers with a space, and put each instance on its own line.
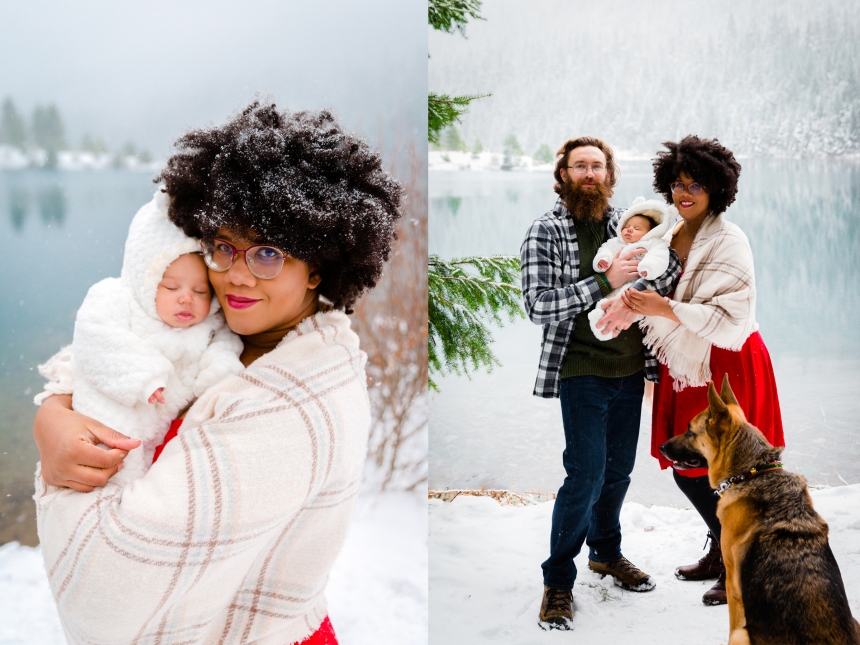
column 52, row 204
column 52, row 221
column 51, row 201
column 454, row 204
column 18, row 204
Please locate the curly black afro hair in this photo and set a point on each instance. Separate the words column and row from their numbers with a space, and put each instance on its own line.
column 295, row 181
column 707, row 161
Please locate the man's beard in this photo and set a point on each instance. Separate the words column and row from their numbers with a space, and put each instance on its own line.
column 585, row 204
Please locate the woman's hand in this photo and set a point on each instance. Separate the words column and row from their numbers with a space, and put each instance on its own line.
column 617, row 316
column 648, row 303
column 67, row 446
column 623, row 268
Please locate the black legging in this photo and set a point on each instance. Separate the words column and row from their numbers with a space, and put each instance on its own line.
column 698, row 490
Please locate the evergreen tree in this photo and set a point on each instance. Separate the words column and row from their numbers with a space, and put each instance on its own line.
column 477, row 148
column 13, row 132
column 90, row 144
column 452, row 141
column 465, row 294
column 444, row 110
column 513, row 146
column 544, row 154
column 48, row 132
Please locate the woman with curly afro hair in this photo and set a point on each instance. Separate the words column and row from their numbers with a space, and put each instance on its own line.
column 707, row 328
column 231, row 535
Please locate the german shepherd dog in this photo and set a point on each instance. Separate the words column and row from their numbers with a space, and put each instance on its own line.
column 782, row 581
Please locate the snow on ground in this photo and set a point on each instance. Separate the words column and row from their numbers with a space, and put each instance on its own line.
column 377, row 592
column 486, row 586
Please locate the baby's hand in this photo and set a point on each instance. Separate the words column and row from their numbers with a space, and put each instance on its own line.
column 603, row 265
column 643, row 273
column 157, row 396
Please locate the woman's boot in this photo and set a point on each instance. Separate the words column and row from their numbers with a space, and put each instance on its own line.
column 716, row 595
column 709, row 567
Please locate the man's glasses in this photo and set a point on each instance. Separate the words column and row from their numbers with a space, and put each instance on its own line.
column 693, row 189
column 265, row 262
column 582, row 168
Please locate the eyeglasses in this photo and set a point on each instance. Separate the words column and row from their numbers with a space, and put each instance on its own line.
column 265, row 262
column 693, row 188
column 582, row 168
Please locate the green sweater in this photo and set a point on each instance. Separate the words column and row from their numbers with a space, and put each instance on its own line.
column 587, row 356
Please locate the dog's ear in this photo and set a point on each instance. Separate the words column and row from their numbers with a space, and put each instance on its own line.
column 718, row 407
column 726, row 392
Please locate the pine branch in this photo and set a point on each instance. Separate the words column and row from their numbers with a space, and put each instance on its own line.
column 444, row 110
column 448, row 15
column 465, row 295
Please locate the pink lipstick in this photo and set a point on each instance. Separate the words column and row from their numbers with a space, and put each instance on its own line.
column 238, row 302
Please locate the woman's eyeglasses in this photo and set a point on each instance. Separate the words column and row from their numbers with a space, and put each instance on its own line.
column 265, row 262
column 693, row 188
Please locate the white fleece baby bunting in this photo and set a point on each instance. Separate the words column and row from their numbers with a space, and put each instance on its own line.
column 231, row 535
column 122, row 351
column 654, row 261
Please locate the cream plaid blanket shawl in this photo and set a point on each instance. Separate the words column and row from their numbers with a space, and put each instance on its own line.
column 230, row 536
column 714, row 300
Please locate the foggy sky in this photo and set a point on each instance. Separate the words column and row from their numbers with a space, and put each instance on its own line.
column 146, row 71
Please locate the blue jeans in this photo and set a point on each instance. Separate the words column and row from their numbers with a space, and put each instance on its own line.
column 601, row 429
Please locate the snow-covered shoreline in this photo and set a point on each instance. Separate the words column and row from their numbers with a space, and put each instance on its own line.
column 12, row 158
column 377, row 592
column 485, row 579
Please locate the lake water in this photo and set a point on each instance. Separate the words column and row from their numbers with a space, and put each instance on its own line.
column 61, row 233
column 802, row 218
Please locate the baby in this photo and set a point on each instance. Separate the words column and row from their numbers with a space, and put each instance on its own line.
column 643, row 225
column 150, row 342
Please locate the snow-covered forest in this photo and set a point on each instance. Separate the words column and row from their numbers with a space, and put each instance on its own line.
column 41, row 142
column 766, row 78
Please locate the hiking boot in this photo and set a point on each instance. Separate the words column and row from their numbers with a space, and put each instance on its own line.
column 556, row 609
column 626, row 575
column 708, row 568
column 716, row 595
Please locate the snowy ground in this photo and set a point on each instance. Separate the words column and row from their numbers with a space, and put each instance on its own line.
column 485, row 579
column 377, row 592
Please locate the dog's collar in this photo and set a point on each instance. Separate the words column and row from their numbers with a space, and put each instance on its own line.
column 757, row 470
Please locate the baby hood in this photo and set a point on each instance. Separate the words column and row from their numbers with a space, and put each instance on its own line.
column 153, row 243
column 667, row 213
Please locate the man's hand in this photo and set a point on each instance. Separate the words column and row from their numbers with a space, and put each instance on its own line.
column 623, row 268
column 68, row 449
column 617, row 316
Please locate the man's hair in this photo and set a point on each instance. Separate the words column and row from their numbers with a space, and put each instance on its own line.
column 295, row 181
column 578, row 142
column 707, row 161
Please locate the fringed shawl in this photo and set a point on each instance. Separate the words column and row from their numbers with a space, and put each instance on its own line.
column 714, row 300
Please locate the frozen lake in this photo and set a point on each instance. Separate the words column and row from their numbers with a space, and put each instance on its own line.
column 802, row 218
column 62, row 232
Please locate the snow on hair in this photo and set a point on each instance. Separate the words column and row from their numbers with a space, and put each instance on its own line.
column 295, row 181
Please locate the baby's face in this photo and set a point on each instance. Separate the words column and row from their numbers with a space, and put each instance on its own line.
column 635, row 228
column 183, row 297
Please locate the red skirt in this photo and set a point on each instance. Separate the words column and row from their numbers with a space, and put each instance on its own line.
column 753, row 383
column 324, row 635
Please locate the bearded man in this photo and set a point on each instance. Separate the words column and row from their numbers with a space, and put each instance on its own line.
column 600, row 383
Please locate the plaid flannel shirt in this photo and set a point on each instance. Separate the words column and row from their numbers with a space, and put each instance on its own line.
column 554, row 295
